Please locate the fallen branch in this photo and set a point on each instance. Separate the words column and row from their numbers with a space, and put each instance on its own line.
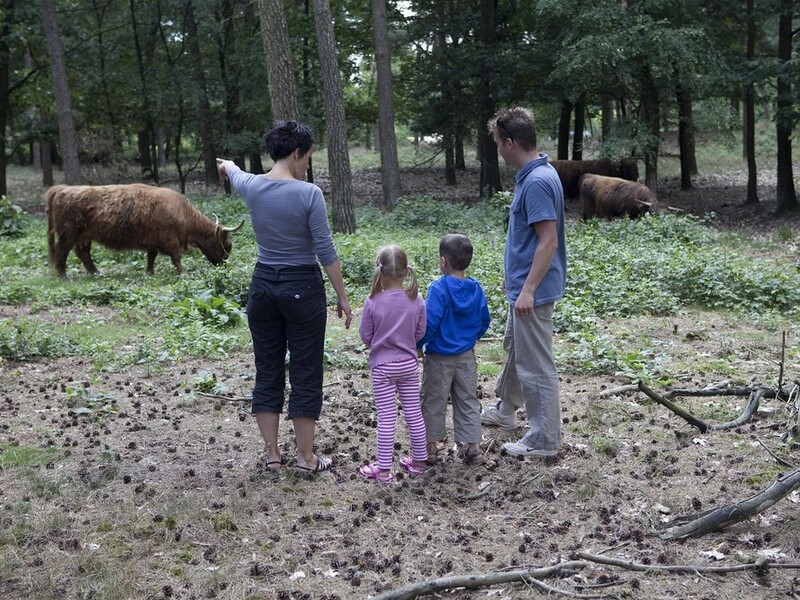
column 749, row 410
column 632, row 566
column 724, row 516
column 475, row 581
column 623, row 389
column 728, row 391
column 688, row 417
column 533, row 576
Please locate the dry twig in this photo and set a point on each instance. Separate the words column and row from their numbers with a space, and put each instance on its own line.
column 691, row 569
column 478, row 580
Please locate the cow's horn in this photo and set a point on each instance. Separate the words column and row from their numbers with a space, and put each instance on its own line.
column 232, row 229
column 216, row 219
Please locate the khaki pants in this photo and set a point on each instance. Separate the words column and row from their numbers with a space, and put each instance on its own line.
column 454, row 377
column 529, row 377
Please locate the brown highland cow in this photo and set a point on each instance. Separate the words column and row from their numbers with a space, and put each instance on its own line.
column 610, row 197
column 129, row 217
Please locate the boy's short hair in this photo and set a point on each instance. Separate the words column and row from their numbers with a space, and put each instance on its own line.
column 457, row 249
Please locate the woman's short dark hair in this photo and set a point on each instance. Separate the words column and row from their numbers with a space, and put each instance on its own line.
column 287, row 136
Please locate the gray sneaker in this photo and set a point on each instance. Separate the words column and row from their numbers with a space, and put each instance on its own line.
column 519, row 449
column 492, row 416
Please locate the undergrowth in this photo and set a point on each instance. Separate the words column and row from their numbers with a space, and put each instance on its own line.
column 617, row 269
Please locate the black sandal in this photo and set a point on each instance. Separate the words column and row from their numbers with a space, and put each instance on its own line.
column 323, row 464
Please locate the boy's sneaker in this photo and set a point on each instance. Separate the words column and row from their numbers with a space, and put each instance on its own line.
column 492, row 416
column 519, row 449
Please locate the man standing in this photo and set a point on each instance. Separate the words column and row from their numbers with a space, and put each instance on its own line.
column 535, row 277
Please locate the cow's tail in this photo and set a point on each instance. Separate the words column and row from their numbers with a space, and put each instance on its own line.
column 49, row 209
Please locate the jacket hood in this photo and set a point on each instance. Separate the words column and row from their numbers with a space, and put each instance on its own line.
column 464, row 294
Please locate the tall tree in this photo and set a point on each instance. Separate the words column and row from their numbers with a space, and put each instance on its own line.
column 750, row 111
column 490, row 169
column 786, row 199
column 280, row 65
column 580, row 127
column 338, row 155
column 6, row 19
column 68, row 137
column 685, row 136
column 390, row 168
column 204, row 107
column 145, row 49
column 229, row 72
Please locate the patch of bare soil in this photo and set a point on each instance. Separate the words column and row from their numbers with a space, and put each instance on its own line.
column 159, row 491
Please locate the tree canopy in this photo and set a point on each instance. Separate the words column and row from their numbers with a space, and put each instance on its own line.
column 171, row 81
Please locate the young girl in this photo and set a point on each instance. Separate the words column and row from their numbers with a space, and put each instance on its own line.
column 392, row 323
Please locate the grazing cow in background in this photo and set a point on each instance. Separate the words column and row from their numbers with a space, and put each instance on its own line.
column 129, row 217
column 610, row 197
column 570, row 172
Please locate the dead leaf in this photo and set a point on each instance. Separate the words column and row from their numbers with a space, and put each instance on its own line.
column 713, row 554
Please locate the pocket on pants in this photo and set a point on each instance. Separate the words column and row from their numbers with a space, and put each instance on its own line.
column 303, row 298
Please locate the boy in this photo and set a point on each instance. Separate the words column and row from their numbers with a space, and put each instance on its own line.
column 457, row 316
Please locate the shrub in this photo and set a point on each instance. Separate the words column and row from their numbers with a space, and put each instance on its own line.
column 26, row 339
column 12, row 219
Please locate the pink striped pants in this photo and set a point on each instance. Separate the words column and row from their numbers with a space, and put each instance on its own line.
column 389, row 380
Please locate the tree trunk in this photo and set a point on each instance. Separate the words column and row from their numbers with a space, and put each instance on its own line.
column 390, row 168
column 45, row 150
column 562, row 152
column 448, row 141
column 102, row 67
column 686, row 118
column 786, row 196
column 7, row 17
column 256, row 166
column 280, row 66
column 580, row 125
column 461, row 163
column 146, row 128
column 685, row 136
column 652, row 123
column 750, row 113
column 307, row 84
column 343, row 220
column 68, row 137
column 206, row 127
column 490, row 170
column 230, row 80
column 606, row 114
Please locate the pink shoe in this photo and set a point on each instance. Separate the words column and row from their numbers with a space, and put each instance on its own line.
column 412, row 467
column 372, row 471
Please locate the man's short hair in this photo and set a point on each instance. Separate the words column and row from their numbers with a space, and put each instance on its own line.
column 457, row 249
column 517, row 124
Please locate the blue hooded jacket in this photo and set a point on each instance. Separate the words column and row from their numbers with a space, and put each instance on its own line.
column 457, row 315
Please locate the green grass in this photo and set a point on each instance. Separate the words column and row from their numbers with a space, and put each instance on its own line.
column 15, row 457
column 619, row 269
column 653, row 266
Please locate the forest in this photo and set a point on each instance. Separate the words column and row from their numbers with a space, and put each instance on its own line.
column 170, row 84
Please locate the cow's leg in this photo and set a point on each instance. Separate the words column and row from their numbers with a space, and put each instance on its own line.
column 176, row 260
column 83, row 252
column 151, row 261
column 63, row 246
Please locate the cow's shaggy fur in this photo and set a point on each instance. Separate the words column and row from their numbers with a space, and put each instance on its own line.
column 129, row 217
column 611, row 197
column 570, row 171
